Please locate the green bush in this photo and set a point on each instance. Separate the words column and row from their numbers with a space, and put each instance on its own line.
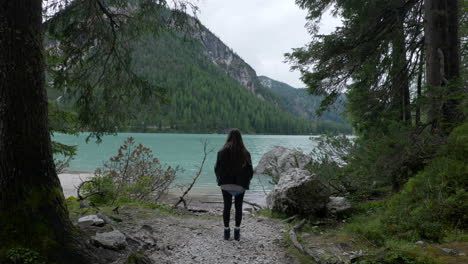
column 23, row 256
column 435, row 201
column 368, row 166
column 133, row 175
column 103, row 184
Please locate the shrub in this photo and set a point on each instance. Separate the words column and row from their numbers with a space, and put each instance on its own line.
column 23, row 256
column 329, row 159
column 365, row 167
column 436, row 200
column 134, row 174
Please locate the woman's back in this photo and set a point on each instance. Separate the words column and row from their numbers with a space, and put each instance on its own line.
column 233, row 171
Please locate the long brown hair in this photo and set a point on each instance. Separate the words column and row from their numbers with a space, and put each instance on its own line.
column 238, row 154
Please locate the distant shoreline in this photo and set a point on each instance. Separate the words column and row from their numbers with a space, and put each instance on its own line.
column 206, row 133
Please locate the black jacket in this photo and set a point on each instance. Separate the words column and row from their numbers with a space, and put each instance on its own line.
column 228, row 174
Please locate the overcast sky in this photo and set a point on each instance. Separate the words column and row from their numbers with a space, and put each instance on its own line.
column 261, row 31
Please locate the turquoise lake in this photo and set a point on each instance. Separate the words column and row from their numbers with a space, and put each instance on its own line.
column 184, row 150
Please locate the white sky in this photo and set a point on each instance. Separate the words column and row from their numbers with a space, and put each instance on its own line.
column 261, row 31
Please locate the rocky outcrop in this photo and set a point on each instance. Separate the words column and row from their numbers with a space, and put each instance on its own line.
column 226, row 59
column 298, row 192
column 280, row 159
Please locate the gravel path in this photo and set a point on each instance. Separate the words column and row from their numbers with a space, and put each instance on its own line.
column 189, row 238
column 199, row 239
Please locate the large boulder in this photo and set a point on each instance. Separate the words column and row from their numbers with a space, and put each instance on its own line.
column 298, row 192
column 280, row 159
column 114, row 240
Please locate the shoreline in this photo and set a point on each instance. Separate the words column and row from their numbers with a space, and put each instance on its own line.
column 198, row 197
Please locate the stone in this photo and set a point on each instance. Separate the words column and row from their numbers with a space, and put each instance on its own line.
column 338, row 205
column 421, row 243
column 105, row 218
column 280, row 159
column 114, row 240
column 450, row 251
column 90, row 220
column 298, row 192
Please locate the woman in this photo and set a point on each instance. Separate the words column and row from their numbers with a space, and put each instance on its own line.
column 233, row 171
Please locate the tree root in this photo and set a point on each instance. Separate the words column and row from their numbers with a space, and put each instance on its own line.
column 299, row 246
column 290, row 219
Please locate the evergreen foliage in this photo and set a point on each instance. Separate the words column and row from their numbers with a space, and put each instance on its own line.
column 435, row 201
column 199, row 96
column 378, row 57
column 202, row 97
column 303, row 104
column 407, row 103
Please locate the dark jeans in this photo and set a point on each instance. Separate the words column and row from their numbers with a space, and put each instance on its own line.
column 238, row 200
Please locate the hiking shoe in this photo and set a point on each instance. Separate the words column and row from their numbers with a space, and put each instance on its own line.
column 227, row 233
column 237, row 233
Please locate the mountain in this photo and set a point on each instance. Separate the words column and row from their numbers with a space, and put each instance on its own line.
column 210, row 89
column 302, row 104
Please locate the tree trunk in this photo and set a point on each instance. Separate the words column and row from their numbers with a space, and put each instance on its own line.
column 32, row 210
column 442, row 62
column 419, row 90
column 400, row 82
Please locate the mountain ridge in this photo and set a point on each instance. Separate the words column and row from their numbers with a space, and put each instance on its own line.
column 300, row 102
column 211, row 89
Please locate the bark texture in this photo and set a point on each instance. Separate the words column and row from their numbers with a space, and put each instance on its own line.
column 442, row 61
column 400, row 80
column 32, row 210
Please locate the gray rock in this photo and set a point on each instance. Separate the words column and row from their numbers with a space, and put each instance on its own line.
column 90, row 220
column 421, row 243
column 145, row 236
column 450, row 251
column 280, row 159
column 338, row 205
column 299, row 192
column 114, row 240
column 105, row 218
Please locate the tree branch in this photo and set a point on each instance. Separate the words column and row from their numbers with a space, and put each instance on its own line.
column 200, row 169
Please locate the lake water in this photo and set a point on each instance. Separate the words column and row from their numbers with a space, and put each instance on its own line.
column 184, row 150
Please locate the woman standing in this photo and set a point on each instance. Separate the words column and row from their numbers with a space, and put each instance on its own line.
column 233, row 171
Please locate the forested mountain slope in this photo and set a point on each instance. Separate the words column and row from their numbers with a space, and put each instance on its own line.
column 300, row 103
column 209, row 89
column 203, row 98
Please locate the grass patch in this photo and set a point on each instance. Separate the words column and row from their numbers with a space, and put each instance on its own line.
column 271, row 214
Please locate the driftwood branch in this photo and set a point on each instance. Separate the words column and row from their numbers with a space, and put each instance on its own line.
column 290, row 219
column 299, row 246
column 78, row 189
column 200, row 169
